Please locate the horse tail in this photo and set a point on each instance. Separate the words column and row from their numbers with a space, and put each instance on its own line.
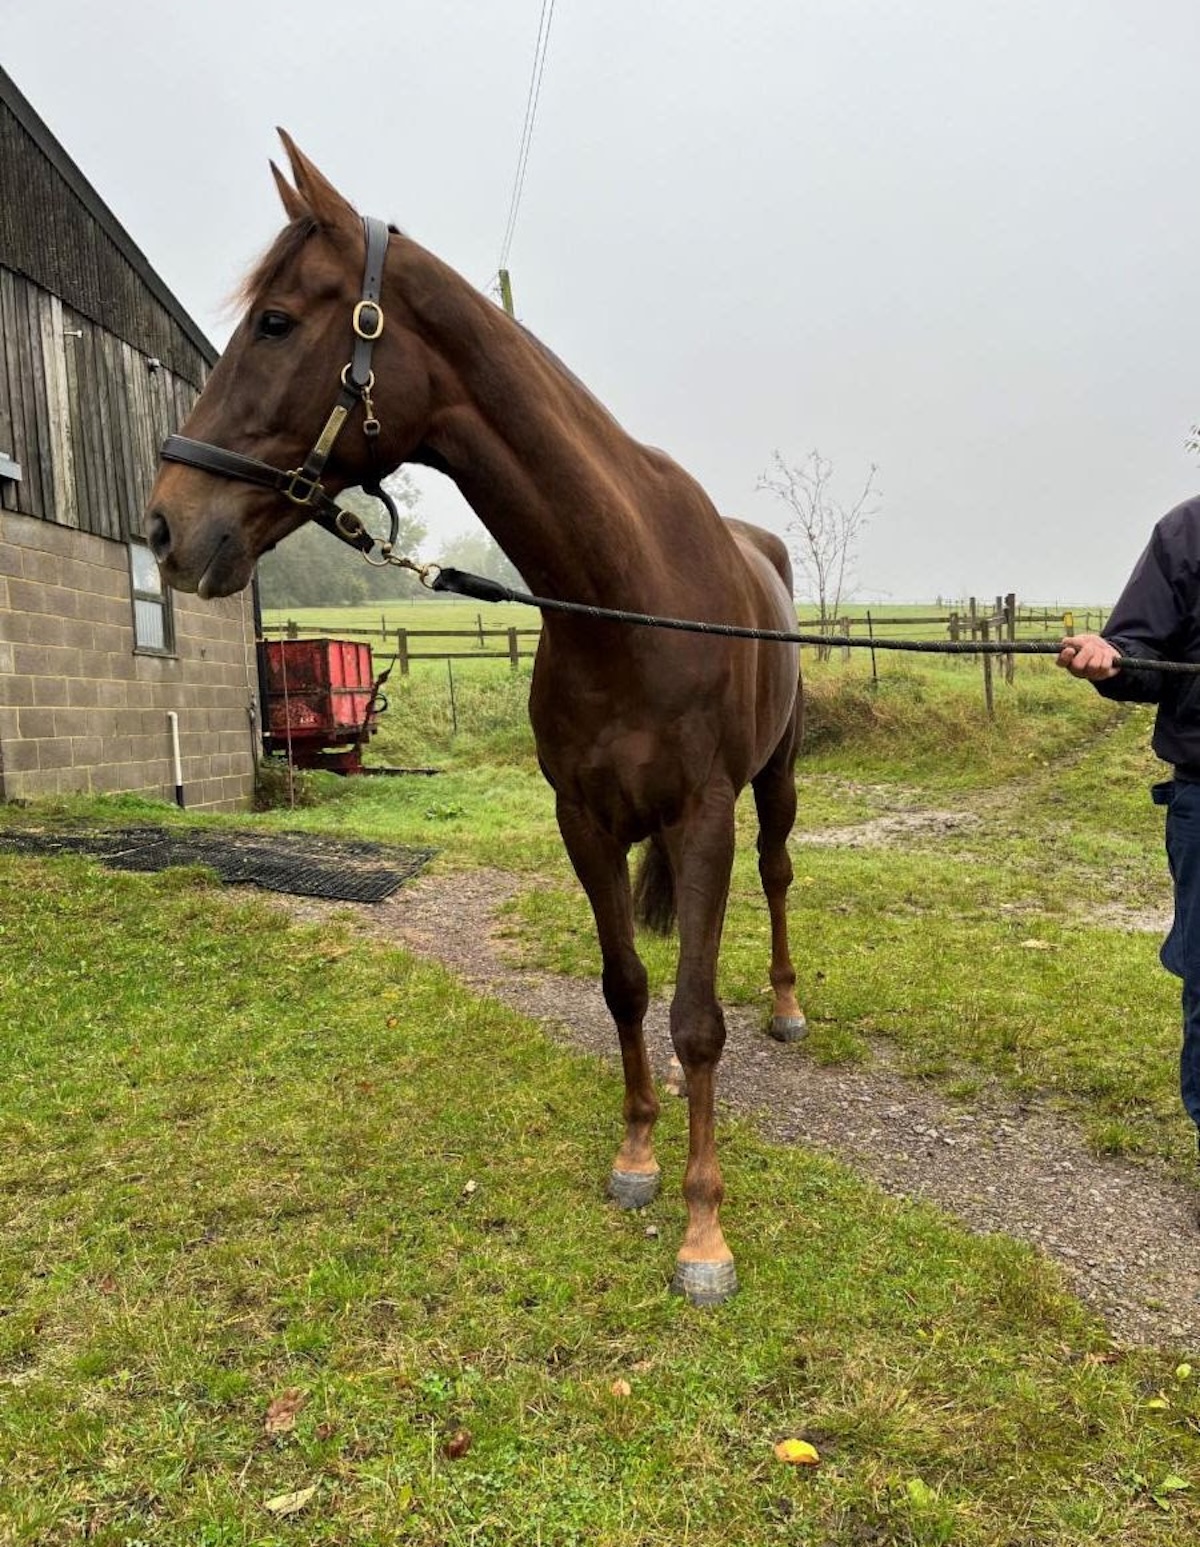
column 654, row 889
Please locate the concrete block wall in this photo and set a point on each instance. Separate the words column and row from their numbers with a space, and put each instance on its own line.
column 82, row 711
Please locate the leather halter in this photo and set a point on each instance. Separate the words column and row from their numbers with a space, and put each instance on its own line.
column 302, row 485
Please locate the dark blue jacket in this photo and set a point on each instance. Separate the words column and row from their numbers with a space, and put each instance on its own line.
column 1157, row 616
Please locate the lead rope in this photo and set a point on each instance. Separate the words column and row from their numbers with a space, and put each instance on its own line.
column 462, row 583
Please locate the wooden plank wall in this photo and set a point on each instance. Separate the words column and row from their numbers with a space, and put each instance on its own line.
column 52, row 235
column 81, row 411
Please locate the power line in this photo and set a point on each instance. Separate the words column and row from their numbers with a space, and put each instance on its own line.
column 531, row 107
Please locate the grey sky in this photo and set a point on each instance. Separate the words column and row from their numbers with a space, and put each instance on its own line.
column 959, row 241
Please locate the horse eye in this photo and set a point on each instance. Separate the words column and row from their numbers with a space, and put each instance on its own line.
column 274, row 325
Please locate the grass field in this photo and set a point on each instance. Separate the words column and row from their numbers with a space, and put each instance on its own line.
column 302, row 1243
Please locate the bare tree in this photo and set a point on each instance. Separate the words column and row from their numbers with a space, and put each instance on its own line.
column 823, row 531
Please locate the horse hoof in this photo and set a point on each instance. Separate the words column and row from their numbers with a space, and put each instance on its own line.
column 705, row 1283
column 789, row 1028
column 633, row 1189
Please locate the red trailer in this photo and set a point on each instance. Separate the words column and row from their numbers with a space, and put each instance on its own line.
column 322, row 702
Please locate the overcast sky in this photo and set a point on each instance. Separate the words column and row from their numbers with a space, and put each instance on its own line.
column 960, row 241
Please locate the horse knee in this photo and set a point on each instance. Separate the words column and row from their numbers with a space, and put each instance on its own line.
column 626, row 990
column 697, row 1034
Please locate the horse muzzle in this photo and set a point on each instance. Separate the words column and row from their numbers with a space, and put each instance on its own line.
column 209, row 557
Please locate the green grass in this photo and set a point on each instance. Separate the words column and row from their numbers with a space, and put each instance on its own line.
column 239, row 1159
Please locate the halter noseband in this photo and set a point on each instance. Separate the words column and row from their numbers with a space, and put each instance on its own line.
column 302, row 485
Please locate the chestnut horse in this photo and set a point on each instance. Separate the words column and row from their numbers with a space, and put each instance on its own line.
column 642, row 734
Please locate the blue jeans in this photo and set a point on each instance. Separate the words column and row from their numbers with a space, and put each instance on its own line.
column 1180, row 951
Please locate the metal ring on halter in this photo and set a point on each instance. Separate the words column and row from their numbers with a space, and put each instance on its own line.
column 350, row 526
column 353, row 386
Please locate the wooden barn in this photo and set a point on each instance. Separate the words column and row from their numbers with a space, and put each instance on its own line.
column 98, row 362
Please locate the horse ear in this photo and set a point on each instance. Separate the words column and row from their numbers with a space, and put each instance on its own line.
column 318, row 194
column 294, row 206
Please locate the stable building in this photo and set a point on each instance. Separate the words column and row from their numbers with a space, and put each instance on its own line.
column 98, row 363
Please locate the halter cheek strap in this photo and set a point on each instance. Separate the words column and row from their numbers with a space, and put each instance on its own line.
column 302, row 485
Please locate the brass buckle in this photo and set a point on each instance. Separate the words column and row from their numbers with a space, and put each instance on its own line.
column 296, row 481
column 361, row 327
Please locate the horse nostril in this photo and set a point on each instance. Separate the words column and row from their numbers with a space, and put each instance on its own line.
column 158, row 534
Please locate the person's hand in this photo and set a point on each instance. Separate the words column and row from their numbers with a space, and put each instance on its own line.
column 1089, row 656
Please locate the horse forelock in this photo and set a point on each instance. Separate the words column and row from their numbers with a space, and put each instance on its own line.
column 282, row 250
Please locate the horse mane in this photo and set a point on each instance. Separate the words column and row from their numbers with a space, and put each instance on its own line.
column 565, row 370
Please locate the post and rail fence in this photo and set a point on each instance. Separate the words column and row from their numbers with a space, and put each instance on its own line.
column 998, row 619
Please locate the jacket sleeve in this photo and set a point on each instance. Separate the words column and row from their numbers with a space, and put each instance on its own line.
column 1145, row 623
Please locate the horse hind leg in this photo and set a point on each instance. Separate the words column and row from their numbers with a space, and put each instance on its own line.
column 775, row 802
column 603, row 869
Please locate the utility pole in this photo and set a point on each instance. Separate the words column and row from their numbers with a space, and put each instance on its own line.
column 506, row 293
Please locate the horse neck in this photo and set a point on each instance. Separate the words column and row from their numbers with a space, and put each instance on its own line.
column 557, row 482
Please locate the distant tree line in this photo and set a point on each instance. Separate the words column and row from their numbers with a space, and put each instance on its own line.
column 312, row 569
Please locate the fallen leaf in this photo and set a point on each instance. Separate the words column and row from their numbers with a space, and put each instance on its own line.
column 797, row 1453
column 1158, row 1404
column 281, row 1414
column 457, row 1445
column 1036, row 945
column 470, row 1188
column 290, row 1503
column 107, row 1285
column 621, row 1388
column 919, row 1492
column 1182, row 1371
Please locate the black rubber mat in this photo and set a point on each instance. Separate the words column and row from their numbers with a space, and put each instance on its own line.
column 299, row 864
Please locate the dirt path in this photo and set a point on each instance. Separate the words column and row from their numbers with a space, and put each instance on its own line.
column 1126, row 1235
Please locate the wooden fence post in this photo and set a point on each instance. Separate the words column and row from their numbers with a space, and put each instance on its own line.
column 402, row 650
column 845, row 629
column 987, row 671
column 1010, row 629
column 514, row 654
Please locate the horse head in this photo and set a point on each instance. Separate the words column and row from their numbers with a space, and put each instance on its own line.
column 301, row 345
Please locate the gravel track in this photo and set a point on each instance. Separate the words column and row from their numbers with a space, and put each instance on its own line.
column 1125, row 1234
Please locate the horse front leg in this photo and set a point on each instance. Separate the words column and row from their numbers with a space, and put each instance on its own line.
column 702, row 851
column 602, row 866
column 775, row 802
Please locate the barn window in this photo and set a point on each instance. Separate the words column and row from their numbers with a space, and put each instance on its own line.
column 153, row 628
